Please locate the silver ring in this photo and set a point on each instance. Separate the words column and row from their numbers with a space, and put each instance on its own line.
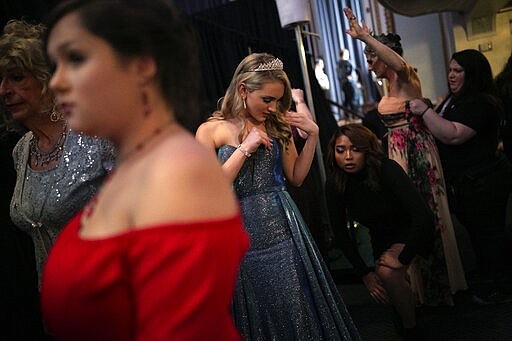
column 352, row 18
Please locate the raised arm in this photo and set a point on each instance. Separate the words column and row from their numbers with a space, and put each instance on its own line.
column 296, row 167
column 362, row 33
column 300, row 106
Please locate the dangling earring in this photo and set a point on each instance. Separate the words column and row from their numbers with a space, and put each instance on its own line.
column 245, row 104
column 54, row 116
column 146, row 108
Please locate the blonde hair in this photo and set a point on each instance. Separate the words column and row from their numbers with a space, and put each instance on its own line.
column 232, row 104
column 21, row 50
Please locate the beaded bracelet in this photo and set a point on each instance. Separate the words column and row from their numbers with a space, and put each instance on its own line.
column 243, row 150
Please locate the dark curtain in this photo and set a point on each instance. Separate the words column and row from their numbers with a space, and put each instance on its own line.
column 32, row 11
column 226, row 32
column 229, row 32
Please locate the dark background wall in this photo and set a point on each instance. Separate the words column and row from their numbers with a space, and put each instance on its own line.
column 227, row 31
column 32, row 10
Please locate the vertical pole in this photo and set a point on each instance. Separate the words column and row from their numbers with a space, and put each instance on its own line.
column 309, row 96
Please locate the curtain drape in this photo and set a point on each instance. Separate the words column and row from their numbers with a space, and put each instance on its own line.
column 330, row 23
column 229, row 32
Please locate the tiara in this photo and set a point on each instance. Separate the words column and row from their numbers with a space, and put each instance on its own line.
column 274, row 64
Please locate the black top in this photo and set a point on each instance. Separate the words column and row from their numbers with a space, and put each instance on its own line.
column 506, row 128
column 19, row 302
column 396, row 213
column 481, row 115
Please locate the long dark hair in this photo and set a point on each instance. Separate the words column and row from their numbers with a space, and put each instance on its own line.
column 478, row 81
column 368, row 143
column 145, row 27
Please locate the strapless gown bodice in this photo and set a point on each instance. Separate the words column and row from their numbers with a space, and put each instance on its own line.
column 254, row 175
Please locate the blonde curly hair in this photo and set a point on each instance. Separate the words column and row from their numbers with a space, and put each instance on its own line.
column 22, row 53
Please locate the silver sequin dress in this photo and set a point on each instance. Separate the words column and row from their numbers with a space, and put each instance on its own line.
column 44, row 201
column 284, row 290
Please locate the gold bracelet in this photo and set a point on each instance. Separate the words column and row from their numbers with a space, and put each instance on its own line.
column 243, row 150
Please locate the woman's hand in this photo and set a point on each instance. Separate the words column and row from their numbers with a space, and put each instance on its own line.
column 418, row 106
column 389, row 258
column 374, row 286
column 303, row 121
column 253, row 140
column 356, row 31
column 298, row 96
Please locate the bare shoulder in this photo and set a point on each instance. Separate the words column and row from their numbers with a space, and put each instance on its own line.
column 216, row 131
column 181, row 155
column 188, row 181
column 213, row 126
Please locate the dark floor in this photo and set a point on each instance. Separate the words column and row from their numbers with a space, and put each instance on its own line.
column 466, row 321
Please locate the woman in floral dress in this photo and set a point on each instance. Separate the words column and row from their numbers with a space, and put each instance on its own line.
column 411, row 144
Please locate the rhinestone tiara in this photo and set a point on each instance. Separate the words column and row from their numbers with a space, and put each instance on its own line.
column 274, row 64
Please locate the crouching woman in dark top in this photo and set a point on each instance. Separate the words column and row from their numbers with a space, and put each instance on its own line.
column 365, row 186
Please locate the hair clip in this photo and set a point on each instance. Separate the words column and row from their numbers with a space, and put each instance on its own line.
column 274, row 64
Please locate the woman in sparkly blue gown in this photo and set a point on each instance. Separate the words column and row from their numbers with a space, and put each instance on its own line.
column 284, row 290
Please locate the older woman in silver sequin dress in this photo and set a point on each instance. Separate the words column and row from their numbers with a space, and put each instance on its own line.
column 58, row 170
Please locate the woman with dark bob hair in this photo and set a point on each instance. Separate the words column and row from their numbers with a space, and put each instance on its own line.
column 367, row 187
column 466, row 126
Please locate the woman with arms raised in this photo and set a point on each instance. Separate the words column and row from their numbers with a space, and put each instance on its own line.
column 412, row 145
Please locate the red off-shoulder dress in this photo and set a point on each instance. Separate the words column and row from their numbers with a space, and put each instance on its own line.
column 166, row 282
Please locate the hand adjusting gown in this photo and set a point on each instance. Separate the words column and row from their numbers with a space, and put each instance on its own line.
column 284, row 290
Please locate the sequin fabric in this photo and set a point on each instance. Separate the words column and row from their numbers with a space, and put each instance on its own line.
column 44, row 201
column 284, row 290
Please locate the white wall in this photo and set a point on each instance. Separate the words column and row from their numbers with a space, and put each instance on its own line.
column 500, row 40
column 423, row 49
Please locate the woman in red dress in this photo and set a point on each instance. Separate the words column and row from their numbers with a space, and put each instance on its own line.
column 155, row 255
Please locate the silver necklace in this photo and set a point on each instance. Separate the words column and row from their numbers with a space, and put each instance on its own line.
column 41, row 158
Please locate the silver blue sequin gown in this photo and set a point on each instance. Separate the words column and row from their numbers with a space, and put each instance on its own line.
column 284, row 290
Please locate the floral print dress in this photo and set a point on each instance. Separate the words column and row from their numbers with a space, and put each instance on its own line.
column 411, row 144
